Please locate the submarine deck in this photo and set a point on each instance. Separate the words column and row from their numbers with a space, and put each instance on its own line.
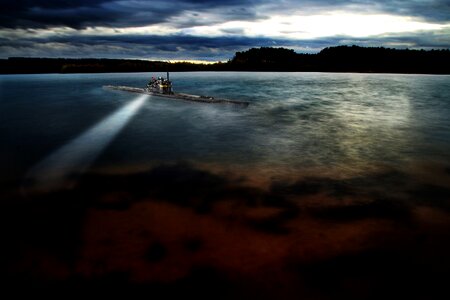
column 179, row 96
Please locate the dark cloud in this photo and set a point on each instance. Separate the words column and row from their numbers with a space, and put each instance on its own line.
column 195, row 47
column 38, row 14
column 114, row 13
column 432, row 10
column 139, row 46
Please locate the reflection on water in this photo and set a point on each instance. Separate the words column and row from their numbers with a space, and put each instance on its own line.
column 296, row 121
column 328, row 186
column 77, row 155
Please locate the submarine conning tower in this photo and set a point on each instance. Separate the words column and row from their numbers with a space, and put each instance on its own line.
column 160, row 85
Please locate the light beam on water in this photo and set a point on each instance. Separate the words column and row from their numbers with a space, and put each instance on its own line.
column 57, row 170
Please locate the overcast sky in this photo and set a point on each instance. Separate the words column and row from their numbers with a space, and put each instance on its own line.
column 214, row 30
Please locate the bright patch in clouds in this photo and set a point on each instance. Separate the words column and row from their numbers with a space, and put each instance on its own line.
column 159, row 29
column 307, row 27
column 284, row 27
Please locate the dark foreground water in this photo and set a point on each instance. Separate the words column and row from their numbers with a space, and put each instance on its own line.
column 326, row 186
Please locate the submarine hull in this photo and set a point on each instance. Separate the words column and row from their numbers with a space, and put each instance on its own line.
column 177, row 96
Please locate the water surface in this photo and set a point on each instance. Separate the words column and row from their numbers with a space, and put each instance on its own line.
column 328, row 186
column 296, row 121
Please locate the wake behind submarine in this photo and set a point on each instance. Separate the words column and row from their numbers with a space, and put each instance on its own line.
column 162, row 87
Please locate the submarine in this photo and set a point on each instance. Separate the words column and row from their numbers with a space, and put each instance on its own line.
column 162, row 87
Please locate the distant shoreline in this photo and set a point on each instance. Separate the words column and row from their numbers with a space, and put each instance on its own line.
column 240, row 71
column 341, row 59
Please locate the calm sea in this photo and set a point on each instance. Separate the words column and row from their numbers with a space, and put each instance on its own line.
column 296, row 122
column 327, row 186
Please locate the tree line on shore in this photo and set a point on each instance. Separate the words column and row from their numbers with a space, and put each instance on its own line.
column 332, row 59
